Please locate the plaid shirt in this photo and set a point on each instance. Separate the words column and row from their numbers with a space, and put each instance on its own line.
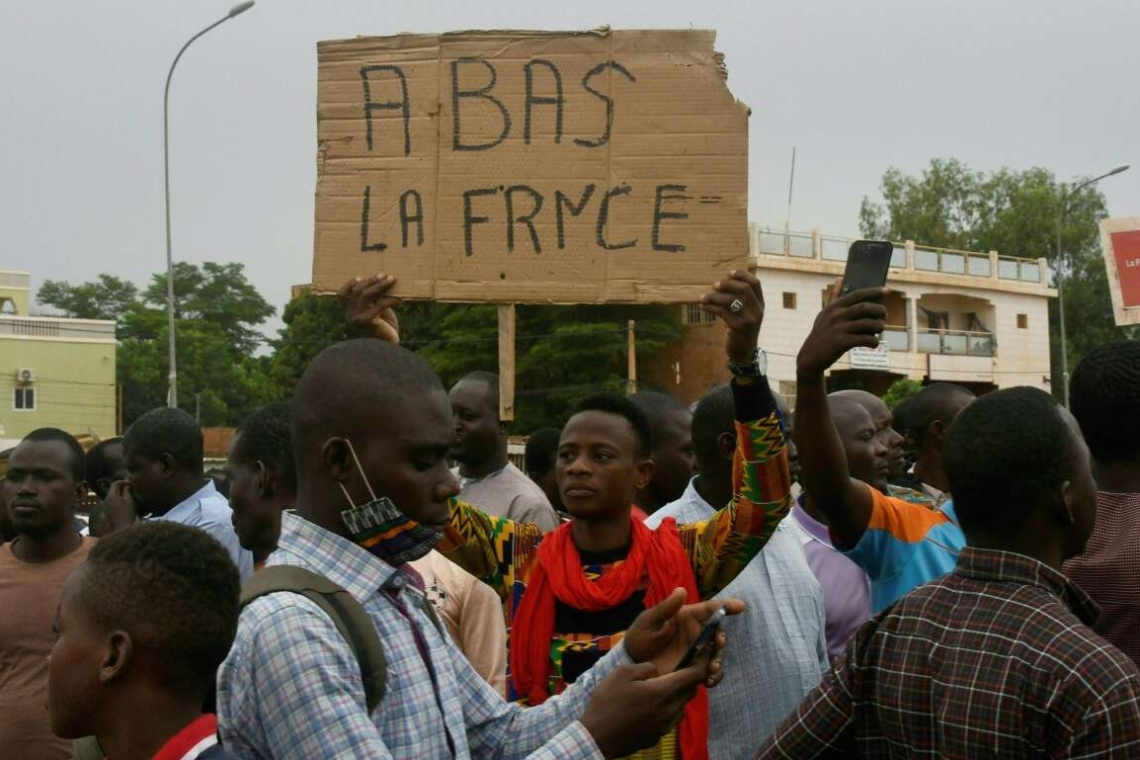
column 992, row 660
column 1109, row 570
column 290, row 687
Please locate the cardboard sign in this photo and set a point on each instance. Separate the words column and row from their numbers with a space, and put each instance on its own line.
column 1120, row 241
column 550, row 167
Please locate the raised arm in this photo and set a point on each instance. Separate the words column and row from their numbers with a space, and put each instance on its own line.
column 849, row 322
column 722, row 546
column 719, row 548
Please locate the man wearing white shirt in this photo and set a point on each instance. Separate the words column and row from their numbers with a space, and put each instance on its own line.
column 164, row 454
column 779, row 650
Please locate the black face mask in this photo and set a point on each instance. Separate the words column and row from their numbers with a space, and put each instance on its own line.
column 381, row 528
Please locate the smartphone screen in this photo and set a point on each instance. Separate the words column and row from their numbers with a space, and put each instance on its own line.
column 867, row 264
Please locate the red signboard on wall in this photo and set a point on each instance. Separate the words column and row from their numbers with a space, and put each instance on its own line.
column 1120, row 239
column 1126, row 252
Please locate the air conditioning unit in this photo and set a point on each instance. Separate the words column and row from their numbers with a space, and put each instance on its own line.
column 25, row 375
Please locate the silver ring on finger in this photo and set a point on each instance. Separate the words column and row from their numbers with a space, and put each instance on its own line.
column 736, row 306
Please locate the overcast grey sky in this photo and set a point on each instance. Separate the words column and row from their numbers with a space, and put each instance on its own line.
column 856, row 86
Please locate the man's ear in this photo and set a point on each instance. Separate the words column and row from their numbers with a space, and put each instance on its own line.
column 645, row 470
column 81, row 490
column 336, row 459
column 265, row 480
column 118, row 656
column 166, row 464
column 726, row 445
column 1062, row 504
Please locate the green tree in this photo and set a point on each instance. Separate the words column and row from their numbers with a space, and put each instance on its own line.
column 900, row 391
column 1014, row 213
column 217, row 293
column 217, row 310
column 107, row 297
column 562, row 353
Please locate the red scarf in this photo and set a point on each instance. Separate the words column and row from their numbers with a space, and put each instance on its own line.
column 558, row 574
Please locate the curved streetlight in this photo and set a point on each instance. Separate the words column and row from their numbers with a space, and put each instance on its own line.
column 1065, row 198
column 172, row 390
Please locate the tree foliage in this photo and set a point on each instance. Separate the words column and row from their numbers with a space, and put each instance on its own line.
column 217, row 311
column 900, row 391
column 563, row 353
column 1014, row 213
column 107, row 297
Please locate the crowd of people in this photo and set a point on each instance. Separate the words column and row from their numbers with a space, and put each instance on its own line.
column 372, row 577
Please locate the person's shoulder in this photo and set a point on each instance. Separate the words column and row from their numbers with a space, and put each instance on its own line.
column 85, row 546
column 904, row 520
column 526, row 487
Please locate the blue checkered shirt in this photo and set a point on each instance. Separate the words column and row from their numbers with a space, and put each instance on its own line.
column 290, row 688
column 777, row 648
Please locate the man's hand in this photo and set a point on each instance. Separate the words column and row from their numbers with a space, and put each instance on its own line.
column 368, row 306
column 120, row 506
column 633, row 707
column 856, row 320
column 663, row 633
column 744, row 323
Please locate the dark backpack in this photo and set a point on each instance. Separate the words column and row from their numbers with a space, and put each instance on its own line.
column 347, row 614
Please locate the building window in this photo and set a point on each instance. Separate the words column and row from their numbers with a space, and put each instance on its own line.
column 789, row 300
column 1023, row 321
column 25, row 400
column 693, row 314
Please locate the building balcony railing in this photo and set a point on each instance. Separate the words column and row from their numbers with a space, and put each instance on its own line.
column 896, row 338
column 907, row 256
column 49, row 327
column 927, row 341
column 957, row 342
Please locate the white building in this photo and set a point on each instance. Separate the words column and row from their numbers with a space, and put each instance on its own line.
column 973, row 318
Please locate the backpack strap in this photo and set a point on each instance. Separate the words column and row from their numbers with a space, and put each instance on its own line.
column 347, row 614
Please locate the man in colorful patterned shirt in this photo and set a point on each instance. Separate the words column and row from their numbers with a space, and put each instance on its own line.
column 994, row 659
column 1105, row 399
column 898, row 543
column 572, row 594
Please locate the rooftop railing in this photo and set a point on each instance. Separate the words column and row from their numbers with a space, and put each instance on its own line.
column 53, row 327
column 907, row 256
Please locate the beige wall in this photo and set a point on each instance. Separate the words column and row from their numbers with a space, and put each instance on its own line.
column 75, row 376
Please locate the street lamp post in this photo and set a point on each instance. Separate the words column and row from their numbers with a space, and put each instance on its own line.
column 172, row 391
column 1065, row 197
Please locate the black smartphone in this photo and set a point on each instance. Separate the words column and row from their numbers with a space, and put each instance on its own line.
column 703, row 638
column 867, row 265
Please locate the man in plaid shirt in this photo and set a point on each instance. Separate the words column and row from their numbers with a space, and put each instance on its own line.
column 1104, row 395
column 995, row 659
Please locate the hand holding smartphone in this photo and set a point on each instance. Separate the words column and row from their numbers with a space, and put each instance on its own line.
column 704, row 638
column 868, row 262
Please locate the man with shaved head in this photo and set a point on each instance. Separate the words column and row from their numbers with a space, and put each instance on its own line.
column 372, row 428
column 487, row 477
column 670, row 422
column 898, row 544
column 924, row 421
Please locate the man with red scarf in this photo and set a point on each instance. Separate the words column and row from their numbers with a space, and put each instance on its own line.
column 570, row 595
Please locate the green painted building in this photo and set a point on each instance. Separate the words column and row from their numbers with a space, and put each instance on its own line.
column 54, row 372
